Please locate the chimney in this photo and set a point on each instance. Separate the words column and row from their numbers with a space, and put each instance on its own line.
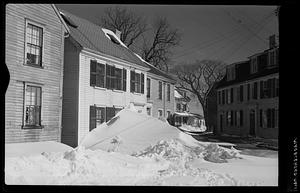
column 272, row 41
column 118, row 34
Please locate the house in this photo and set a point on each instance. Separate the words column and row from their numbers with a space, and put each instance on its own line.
column 160, row 97
column 181, row 100
column 101, row 77
column 34, row 51
column 248, row 96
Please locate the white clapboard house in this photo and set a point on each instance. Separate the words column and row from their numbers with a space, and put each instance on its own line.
column 101, row 77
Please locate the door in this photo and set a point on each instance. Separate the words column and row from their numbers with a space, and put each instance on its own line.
column 252, row 122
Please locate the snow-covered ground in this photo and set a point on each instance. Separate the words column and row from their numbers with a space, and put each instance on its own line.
column 177, row 160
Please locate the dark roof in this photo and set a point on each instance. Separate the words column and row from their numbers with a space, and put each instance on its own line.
column 239, row 79
column 158, row 72
column 90, row 35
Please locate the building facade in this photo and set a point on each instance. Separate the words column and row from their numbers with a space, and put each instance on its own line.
column 248, row 96
column 34, row 51
column 102, row 76
column 160, row 93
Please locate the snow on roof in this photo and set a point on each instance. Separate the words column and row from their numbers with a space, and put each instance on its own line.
column 177, row 95
column 107, row 31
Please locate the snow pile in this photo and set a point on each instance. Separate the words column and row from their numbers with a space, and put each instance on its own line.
column 80, row 166
column 132, row 132
column 214, row 153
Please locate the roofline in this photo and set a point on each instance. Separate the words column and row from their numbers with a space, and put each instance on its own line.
column 150, row 74
column 246, row 81
column 87, row 50
column 60, row 18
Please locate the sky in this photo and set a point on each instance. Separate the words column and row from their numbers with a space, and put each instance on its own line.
column 228, row 33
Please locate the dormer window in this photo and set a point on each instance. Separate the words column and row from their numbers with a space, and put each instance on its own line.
column 253, row 66
column 273, row 58
column 230, row 73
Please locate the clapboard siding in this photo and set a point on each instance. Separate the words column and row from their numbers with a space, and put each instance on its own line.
column 70, row 94
column 161, row 104
column 49, row 77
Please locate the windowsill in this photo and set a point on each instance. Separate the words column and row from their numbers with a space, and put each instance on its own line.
column 33, row 65
column 136, row 93
column 32, row 127
column 99, row 88
column 119, row 91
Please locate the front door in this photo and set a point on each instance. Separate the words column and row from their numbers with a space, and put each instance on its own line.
column 252, row 122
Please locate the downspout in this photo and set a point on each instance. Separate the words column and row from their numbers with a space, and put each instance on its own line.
column 63, row 36
column 164, row 98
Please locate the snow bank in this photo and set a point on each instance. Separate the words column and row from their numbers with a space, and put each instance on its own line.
column 129, row 132
column 80, row 166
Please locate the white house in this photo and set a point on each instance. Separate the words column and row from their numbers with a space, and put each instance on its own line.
column 101, row 77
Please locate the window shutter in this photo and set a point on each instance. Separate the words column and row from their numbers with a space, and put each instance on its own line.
column 241, row 93
column 132, row 79
column 261, row 89
column 142, row 83
column 93, row 73
column 92, row 117
column 241, row 118
column 231, row 97
column 124, row 79
column 113, row 79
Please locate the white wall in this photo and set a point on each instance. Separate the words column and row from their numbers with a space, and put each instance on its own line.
column 101, row 96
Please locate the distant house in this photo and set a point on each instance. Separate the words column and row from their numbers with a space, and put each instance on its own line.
column 181, row 100
column 34, row 52
column 101, row 77
column 248, row 96
column 160, row 97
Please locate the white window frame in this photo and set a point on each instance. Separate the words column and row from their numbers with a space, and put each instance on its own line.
column 24, row 104
column 29, row 21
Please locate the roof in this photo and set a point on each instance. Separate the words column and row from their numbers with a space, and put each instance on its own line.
column 92, row 36
column 155, row 70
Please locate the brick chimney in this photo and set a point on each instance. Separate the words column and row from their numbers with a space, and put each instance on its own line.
column 118, row 34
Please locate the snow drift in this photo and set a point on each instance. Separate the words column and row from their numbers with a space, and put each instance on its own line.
column 129, row 132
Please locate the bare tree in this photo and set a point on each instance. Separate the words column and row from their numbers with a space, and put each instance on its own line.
column 199, row 78
column 158, row 49
column 129, row 23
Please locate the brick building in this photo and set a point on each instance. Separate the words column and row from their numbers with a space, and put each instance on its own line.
column 248, row 96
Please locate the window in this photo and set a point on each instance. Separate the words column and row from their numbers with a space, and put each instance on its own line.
column 223, row 97
column 235, row 118
column 149, row 111
column 34, row 44
column 168, row 114
column 107, row 76
column 136, row 82
column 168, row 92
column 226, row 97
column 270, row 118
column 254, row 91
column 261, row 91
column 241, row 91
column 231, row 118
column 33, row 96
column 219, row 97
column 231, row 95
column 99, row 115
column 110, row 76
column 184, row 107
column 241, row 118
column 261, row 118
column 248, row 92
column 148, row 87
column 160, row 113
column 178, row 107
column 230, row 73
column 118, row 79
column 253, row 66
column 160, row 90
column 273, row 58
